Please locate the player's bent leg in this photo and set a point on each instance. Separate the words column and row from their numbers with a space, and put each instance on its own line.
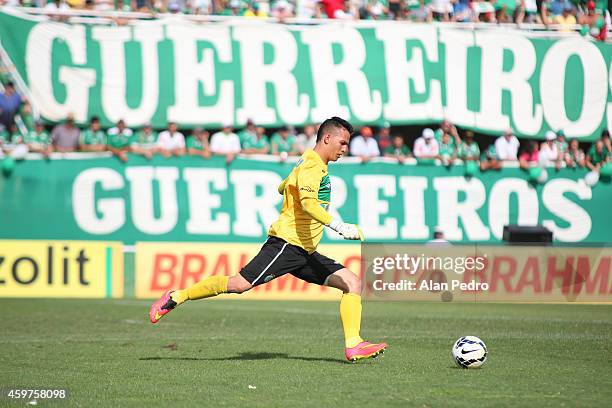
column 350, row 314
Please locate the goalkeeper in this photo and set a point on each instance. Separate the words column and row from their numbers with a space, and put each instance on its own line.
column 292, row 243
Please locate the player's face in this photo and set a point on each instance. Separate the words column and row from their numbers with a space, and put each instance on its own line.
column 338, row 144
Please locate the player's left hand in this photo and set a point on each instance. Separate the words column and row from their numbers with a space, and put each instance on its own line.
column 348, row 231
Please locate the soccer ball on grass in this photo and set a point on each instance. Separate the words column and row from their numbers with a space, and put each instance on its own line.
column 469, row 352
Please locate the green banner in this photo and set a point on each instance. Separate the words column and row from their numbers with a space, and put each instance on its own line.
column 214, row 73
column 190, row 199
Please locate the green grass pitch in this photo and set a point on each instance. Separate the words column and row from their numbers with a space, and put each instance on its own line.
column 230, row 353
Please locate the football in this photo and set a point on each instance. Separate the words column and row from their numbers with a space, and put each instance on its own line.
column 469, row 352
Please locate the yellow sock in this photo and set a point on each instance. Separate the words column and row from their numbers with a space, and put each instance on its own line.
column 350, row 314
column 209, row 287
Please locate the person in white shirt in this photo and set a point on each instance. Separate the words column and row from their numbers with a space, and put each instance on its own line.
column 426, row 146
column 171, row 141
column 225, row 143
column 364, row 145
column 307, row 139
column 507, row 147
column 549, row 151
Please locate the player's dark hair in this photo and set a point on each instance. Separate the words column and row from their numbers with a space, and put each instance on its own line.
column 334, row 122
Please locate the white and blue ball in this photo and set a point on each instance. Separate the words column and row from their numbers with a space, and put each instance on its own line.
column 469, row 352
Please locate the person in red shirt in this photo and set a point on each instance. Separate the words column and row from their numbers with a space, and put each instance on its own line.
column 331, row 6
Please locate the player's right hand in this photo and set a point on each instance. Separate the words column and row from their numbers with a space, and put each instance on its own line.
column 348, row 231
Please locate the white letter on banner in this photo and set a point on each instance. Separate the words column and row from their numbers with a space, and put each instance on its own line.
column 552, row 87
column 202, row 201
column 338, row 198
column 371, row 207
column 191, row 71
column 555, row 201
column 85, row 208
column 114, row 87
column 250, row 207
column 366, row 105
column 400, row 72
column 526, row 115
column 456, row 44
column 141, row 192
column 499, row 204
column 39, row 67
column 414, row 208
column 450, row 210
column 256, row 74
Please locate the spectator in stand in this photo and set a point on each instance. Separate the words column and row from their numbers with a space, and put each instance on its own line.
column 306, row 9
column 566, row 20
column 38, row 140
column 426, row 146
column 171, row 142
column 347, row 12
column 17, row 148
column 10, row 101
column 605, row 138
column 468, row 149
column 374, row 10
column 65, row 137
column 320, row 11
column 484, row 11
column 144, row 142
column 197, row 144
column 331, row 6
column 283, row 143
column 398, row 149
column 26, row 115
column 594, row 22
column 446, row 150
column 282, row 10
column 530, row 156
column 574, row 157
column 258, row 144
column 419, row 12
column 442, row 10
column 530, row 14
column 561, row 143
column 597, row 156
column 505, row 10
column 396, row 10
column 202, row 7
column 383, row 137
column 507, row 146
column 462, row 11
column 93, row 139
column 448, row 128
column 489, row 159
column 225, row 143
column 57, row 5
column 549, row 152
column 119, row 139
column 247, row 133
column 364, row 146
column 307, row 139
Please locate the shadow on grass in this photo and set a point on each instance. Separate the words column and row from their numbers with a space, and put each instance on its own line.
column 247, row 357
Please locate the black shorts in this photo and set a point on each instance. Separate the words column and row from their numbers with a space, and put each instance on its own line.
column 277, row 257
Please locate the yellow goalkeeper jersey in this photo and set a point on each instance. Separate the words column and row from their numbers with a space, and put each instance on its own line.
column 306, row 192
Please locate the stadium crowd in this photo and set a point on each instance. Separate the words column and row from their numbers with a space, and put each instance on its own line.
column 443, row 146
column 593, row 16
